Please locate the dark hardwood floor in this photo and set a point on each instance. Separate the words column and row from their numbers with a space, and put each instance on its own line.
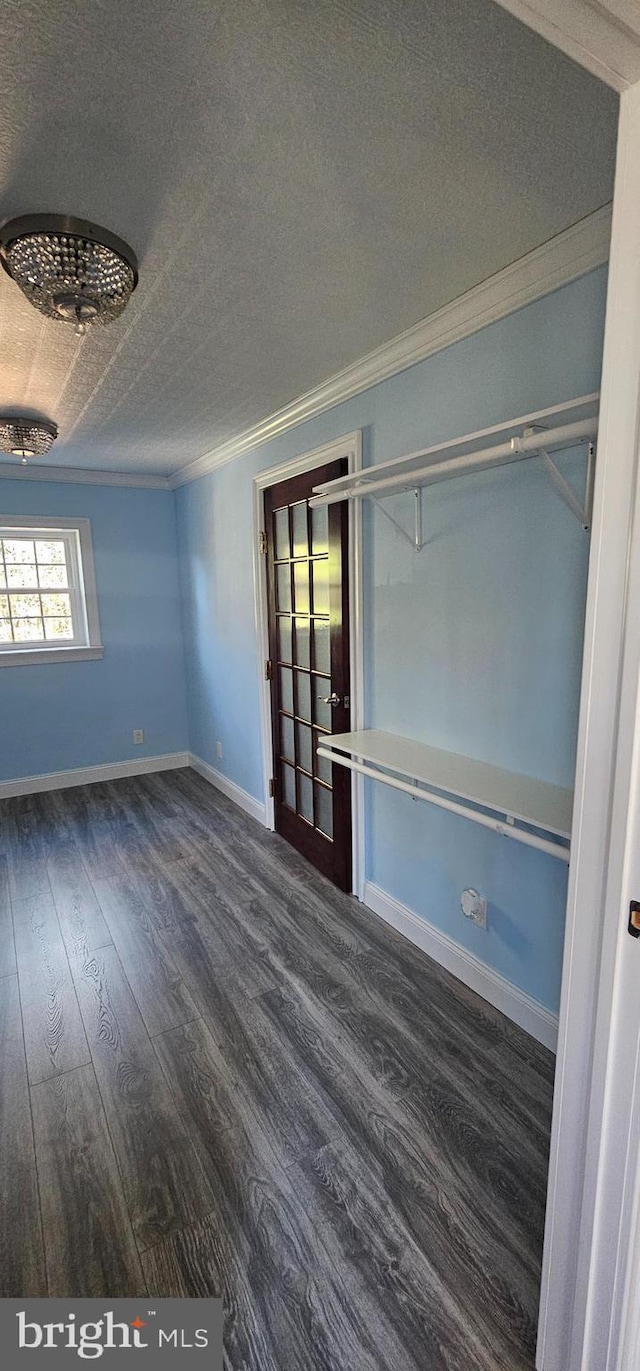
column 221, row 1076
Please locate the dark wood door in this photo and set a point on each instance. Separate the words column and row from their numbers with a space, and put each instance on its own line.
column 307, row 553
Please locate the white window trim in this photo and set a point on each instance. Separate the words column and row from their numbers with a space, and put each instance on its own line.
column 91, row 649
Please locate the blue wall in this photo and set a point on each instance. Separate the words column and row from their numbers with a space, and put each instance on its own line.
column 74, row 714
column 474, row 645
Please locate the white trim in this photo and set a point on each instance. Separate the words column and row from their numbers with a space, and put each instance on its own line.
column 349, row 446
column 570, row 254
column 571, row 1299
column 51, row 656
column 88, row 775
column 84, row 595
column 602, row 35
column 444, row 950
column 82, row 476
column 229, row 788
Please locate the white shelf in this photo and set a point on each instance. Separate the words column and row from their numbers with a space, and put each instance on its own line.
column 506, row 793
column 564, row 425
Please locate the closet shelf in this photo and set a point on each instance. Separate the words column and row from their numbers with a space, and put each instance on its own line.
column 424, row 771
column 543, row 431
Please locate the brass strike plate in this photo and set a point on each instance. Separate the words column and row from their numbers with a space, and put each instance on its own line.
column 634, row 919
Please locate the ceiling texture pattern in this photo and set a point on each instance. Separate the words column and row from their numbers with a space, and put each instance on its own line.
column 301, row 180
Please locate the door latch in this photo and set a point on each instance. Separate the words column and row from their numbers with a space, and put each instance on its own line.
column 634, row 918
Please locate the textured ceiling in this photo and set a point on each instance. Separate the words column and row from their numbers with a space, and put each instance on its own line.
column 301, row 181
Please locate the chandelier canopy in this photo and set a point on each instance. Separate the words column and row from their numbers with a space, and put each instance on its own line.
column 69, row 269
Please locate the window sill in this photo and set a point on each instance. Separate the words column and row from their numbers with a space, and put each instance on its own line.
column 45, row 656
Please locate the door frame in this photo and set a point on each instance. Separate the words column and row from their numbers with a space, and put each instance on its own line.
column 587, row 1251
column 348, row 446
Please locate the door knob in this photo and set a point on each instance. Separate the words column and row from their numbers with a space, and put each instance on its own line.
column 332, row 699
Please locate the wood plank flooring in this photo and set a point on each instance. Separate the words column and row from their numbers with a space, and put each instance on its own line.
column 221, row 1076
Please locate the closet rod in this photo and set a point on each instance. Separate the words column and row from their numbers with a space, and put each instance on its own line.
column 497, row 825
column 512, row 450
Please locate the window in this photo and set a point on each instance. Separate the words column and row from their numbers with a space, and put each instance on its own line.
column 48, row 606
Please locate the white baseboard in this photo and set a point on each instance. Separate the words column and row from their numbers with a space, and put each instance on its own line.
column 229, row 788
column 87, row 775
column 499, row 992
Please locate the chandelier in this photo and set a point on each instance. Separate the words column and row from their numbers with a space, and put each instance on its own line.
column 26, row 437
column 69, row 269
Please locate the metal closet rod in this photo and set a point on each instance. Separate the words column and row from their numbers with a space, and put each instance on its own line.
column 511, row 450
column 497, row 825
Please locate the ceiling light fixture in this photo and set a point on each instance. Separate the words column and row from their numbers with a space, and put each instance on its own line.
column 69, row 269
column 26, row 438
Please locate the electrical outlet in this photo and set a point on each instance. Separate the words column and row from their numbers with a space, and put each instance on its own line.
column 474, row 907
column 138, row 735
column 218, row 749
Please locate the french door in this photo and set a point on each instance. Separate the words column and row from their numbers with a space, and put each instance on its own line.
column 307, row 561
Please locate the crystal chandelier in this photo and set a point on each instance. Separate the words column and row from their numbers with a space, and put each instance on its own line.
column 69, row 269
column 26, row 437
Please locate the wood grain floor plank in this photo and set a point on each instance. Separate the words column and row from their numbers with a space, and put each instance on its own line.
column 26, row 850
column 321, row 1147
column 7, row 947
column 163, row 1183
column 79, row 915
column 292, row 1309
column 89, row 1244
column 54, row 1036
column 22, row 1272
column 161, row 996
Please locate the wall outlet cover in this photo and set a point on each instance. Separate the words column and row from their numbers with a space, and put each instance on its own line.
column 138, row 735
column 218, row 749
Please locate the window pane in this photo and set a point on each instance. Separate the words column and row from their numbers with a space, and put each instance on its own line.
column 53, row 577
column 3, row 579
column 324, row 810
column 284, row 638
column 4, row 606
column 305, row 807
column 321, row 712
column 303, row 703
column 286, row 737
column 28, row 630
column 320, row 529
column 19, row 550
column 289, row 786
column 282, row 533
column 22, row 575
column 300, row 530
column 56, row 605
column 321, row 587
column 6, row 636
column 23, row 606
column 286, row 689
column 321, row 645
column 283, row 587
column 305, row 755
column 51, row 551
column 302, row 643
column 58, row 628
column 301, row 585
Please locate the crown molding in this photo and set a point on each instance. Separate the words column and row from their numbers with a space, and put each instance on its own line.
column 84, row 477
column 564, row 258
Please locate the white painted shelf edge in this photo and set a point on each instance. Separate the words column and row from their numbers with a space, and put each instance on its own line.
column 507, row 793
column 563, row 425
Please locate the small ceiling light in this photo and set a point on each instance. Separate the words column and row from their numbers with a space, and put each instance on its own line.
column 26, row 438
column 69, row 269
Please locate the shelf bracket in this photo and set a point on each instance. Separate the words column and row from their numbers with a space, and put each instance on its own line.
column 583, row 512
column 416, row 541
